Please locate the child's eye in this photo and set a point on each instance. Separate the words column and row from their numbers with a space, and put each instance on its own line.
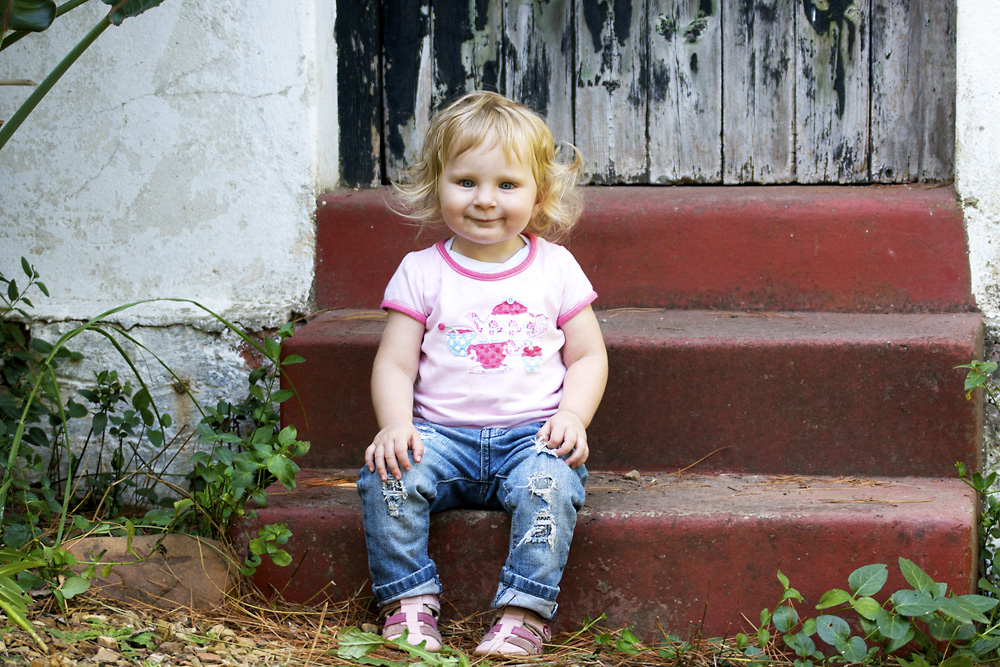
column 466, row 183
column 507, row 185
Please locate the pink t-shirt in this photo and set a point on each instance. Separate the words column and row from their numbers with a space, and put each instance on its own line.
column 491, row 354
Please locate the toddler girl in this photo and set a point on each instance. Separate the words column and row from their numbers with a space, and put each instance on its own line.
column 490, row 368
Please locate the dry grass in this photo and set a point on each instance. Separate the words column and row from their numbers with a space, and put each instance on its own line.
column 251, row 632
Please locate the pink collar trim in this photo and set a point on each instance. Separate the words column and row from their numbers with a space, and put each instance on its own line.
column 458, row 268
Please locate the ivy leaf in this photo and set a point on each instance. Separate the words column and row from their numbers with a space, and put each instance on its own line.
column 915, row 576
column 854, row 650
column 914, row 603
column 867, row 607
column 833, row 598
column 892, row 626
column 785, row 618
column 868, row 580
column 832, row 629
column 968, row 608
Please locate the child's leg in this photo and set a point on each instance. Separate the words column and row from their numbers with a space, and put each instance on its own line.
column 396, row 516
column 543, row 495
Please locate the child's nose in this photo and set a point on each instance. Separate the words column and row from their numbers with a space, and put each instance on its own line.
column 485, row 197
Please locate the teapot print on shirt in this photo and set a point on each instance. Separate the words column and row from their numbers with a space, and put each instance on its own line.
column 506, row 331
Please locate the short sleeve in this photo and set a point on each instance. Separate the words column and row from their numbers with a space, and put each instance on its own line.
column 405, row 291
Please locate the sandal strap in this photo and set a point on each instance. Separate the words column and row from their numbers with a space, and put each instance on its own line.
column 418, row 615
column 516, row 632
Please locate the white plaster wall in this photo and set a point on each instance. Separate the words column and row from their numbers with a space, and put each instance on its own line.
column 977, row 174
column 180, row 157
column 977, row 155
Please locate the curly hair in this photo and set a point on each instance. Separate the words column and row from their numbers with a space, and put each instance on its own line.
column 481, row 116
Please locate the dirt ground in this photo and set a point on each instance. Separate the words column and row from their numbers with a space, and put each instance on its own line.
column 250, row 633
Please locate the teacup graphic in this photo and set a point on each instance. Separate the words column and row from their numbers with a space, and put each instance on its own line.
column 490, row 355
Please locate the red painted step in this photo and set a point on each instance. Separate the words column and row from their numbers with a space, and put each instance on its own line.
column 797, row 393
column 858, row 249
column 680, row 550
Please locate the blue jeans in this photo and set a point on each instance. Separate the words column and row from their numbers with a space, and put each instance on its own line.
column 491, row 468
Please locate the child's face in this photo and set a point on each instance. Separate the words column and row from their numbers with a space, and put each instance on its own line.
column 486, row 200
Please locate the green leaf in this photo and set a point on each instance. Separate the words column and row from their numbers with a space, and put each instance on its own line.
column 73, row 586
column 287, row 436
column 867, row 607
column 868, row 580
column 25, row 266
column 130, row 8
column 915, row 576
column 834, row 598
column 282, row 395
column 353, row 644
column 914, row 603
column 968, row 608
column 892, row 626
column 957, row 661
column 832, row 629
column 292, row 359
column 33, row 15
column 801, row 643
column 785, row 618
column 854, row 650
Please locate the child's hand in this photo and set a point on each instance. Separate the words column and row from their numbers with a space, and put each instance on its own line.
column 390, row 450
column 565, row 433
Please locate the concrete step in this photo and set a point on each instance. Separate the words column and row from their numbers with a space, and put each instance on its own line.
column 808, row 393
column 829, row 248
column 688, row 552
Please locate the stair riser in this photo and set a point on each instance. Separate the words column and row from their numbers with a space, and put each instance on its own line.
column 872, row 249
column 687, row 567
column 887, row 401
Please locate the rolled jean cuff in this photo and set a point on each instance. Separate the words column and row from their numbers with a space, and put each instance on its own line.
column 422, row 582
column 520, row 592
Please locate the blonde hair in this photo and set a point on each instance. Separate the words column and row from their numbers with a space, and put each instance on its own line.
column 481, row 116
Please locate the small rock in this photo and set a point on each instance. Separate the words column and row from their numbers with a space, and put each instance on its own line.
column 171, row 648
column 156, row 658
column 107, row 642
column 633, row 475
column 370, row 628
column 209, row 658
column 106, row 655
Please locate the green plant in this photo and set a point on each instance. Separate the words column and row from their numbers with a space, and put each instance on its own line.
column 41, row 505
column 250, row 451
column 26, row 16
column 978, row 377
column 357, row 646
column 922, row 625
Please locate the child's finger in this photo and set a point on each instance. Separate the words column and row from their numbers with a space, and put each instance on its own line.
column 418, row 447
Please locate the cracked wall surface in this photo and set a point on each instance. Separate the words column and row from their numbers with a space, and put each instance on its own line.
column 179, row 157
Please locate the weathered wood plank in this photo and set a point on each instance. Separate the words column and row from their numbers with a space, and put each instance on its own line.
column 832, row 92
column 358, row 63
column 758, row 98
column 913, row 90
column 685, row 102
column 538, row 60
column 407, row 82
column 611, row 90
column 466, row 38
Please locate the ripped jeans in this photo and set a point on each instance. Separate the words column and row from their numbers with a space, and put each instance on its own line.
column 471, row 468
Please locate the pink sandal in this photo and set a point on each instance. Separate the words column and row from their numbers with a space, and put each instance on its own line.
column 417, row 614
column 517, row 632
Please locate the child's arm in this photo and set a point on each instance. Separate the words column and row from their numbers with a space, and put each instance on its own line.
column 586, row 362
column 393, row 375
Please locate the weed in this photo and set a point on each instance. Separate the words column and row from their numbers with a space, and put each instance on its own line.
column 46, row 499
